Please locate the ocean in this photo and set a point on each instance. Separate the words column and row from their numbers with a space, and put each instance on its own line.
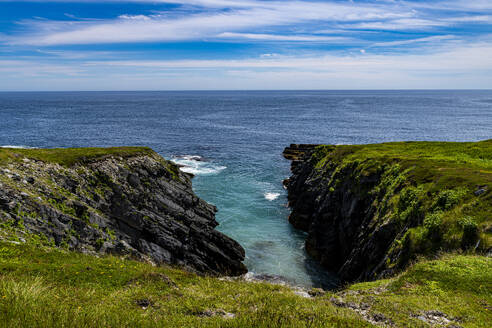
column 233, row 141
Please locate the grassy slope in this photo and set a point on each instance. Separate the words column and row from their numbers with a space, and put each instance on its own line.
column 46, row 287
column 427, row 186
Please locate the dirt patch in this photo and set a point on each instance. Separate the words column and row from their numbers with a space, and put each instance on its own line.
column 364, row 310
column 435, row 317
column 215, row 313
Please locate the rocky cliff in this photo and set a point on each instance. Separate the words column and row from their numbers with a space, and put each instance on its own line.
column 371, row 209
column 117, row 200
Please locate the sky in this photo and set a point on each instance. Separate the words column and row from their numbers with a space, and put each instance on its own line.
column 245, row 44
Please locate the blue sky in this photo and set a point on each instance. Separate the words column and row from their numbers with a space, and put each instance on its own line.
column 245, row 44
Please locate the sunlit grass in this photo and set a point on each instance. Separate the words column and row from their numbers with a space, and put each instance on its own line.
column 69, row 156
column 47, row 287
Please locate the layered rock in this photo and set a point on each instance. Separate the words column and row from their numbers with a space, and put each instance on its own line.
column 138, row 204
column 370, row 209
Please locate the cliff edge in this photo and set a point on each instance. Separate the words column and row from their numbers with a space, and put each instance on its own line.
column 371, row 209
column 126, row 200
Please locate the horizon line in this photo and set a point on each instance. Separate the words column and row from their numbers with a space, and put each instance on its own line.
column 239, row 90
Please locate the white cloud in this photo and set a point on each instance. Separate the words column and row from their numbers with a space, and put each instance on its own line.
column 470, row 19
column 435, row 38
column 463, row 5
column 465, row 57
column 277, row 37
column 463, row 66
column 140, row 28
column 248, row 19
column 444, row 60
column 397, row 24
column 135, row 17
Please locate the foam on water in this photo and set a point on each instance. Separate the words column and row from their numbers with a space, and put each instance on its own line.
column 196, row 165
column 271, row 196
column 16, row 147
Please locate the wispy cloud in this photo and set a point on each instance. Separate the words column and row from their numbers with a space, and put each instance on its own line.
column 140, row 28
column 436, row 38
column 463, row 57
column 463, row 66
column 277, row 37
column 244, row 19
column 412, row 24
column 470, row 19
column 159, row 44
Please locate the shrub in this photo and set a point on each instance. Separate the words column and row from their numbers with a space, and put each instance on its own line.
column 470, row 232
column 433, row 225
column 410, row 204
column 447, row 199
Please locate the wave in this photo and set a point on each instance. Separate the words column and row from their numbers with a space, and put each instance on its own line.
column 271, row 196
column 189, row 158
column 196, row 165
column 16, row 147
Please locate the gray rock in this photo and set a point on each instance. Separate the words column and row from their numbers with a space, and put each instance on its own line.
column 127, row 206
column 480, row 192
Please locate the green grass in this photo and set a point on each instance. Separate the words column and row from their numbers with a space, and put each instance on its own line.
column 457, row 285
column 471, row 154
column 48, row 287
column 69, row 156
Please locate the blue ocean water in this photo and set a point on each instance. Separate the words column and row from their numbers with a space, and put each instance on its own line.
column 233, row 142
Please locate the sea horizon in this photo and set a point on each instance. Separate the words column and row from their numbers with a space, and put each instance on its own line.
column 246, row 90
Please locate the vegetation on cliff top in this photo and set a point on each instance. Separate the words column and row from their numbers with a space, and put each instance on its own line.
column 437, row 192
column 47, row 287
column 469, row 154
column 69, row 156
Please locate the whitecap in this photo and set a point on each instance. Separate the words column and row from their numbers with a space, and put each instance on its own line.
column 16, row 147
column 203, row 170
column 271, row 196
column 189, row 157
column 196, row 165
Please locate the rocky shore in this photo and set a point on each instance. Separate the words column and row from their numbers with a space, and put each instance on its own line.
column 370, row 210
column 126, row 201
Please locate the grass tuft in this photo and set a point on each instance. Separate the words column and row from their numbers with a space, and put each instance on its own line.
column 49, row 287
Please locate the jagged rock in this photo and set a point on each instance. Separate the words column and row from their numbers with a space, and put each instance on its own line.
column 337, row 220
column 140, row 206
column 350, row 201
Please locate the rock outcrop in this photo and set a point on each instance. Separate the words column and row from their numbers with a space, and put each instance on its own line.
column 135, row 204
column 370, row 209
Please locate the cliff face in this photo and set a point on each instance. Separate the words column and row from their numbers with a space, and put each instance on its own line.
column 370, row 209
column 122, row 201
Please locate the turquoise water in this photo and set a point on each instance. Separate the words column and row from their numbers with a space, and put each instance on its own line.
column 233, row 142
